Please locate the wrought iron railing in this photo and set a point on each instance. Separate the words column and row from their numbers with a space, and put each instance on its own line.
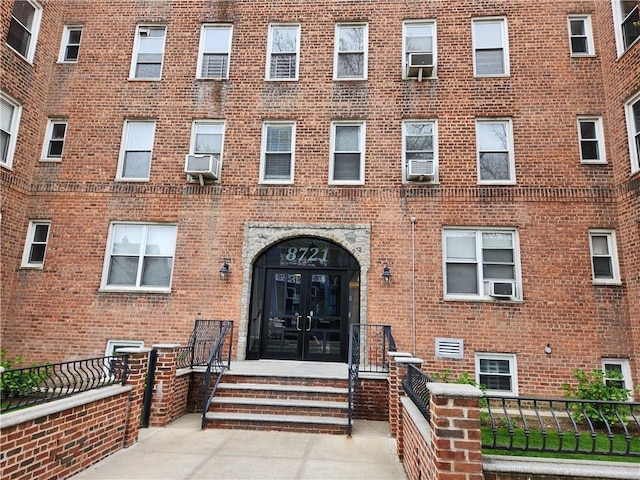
column 219, row 360
column 414, row 384
column 24, row 387
column 201, row 343
column 368, row 347
column 561, row 425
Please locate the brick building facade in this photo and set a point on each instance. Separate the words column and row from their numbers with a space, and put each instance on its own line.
column 485, row 153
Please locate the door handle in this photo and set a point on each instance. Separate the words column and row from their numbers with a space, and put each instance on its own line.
column 309, row 317
column 298, row 323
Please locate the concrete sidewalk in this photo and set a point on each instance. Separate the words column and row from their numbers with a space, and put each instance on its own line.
column 183, row 451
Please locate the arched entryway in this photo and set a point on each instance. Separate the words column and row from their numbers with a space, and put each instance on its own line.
column 305, row 293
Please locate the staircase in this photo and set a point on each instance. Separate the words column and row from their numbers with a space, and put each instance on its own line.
column 286, row 396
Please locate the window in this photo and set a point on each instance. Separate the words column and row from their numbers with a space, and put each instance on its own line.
column 135, row 154
column 23, row 29
column 351, row 52
column 282, row 54
column 346, row 165
column 54, row 140
column 498, row 372
column 139, row 257
column 70, row 47
column 591, row 140
column 278, row 146
column 496, row 163
column 619, row 369
column 419, row 47
column 215, row 46
column 10, row 112
column 490, row 47
column 633, row 126
column 481, row 264
column 148, row 51
column 207, row 137
column 625, row 18
column 36, row 244
column 114, row 345
column 580, row 36
column 604, row 257
column 420, row 150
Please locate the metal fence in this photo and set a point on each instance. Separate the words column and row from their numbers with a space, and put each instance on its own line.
column 219, row 360
column 24, row 387
column 414, row 384
column 201, row 343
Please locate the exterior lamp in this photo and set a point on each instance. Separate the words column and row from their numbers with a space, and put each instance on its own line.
column 224, row 272
column 386, row 275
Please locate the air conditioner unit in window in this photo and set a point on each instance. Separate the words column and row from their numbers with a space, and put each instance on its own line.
column 502, row 289
column 202, row 166
column 421, row 170
column 420, row 65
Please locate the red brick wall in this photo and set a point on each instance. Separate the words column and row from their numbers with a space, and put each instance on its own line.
column 373, row 399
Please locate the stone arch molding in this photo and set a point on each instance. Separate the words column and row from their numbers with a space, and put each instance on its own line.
column 258, row 236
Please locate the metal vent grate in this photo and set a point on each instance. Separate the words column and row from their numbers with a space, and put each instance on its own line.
column 449, row 348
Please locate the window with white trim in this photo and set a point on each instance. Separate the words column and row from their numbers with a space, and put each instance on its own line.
column 498, row 372
column 481, row 264
column 139, row 257
column 207, row 137
column 420, row 150
column 54, row 139
column 135, row 153
column 490, row 47
column 10, row 112
column 36, row 245
column 496, row 164
column 214, row 51
column 148, row 52
column 114, row 345
column 346, row 165
column 283, row 52
column 351, row 51
column 419, row 48
column 632, row 109
column 23, row 28
column 580, row 35
column 70, row 47
column 278, row 151
column 625, row 18
column 591, row 138
column 604, row 257
column 618, row 372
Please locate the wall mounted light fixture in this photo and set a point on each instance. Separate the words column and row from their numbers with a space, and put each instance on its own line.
column 224, row 272
column 547, row 349
column 386, row 275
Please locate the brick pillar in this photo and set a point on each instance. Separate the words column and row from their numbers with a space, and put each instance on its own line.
column 138, row 364
column 397, row 370
column 455, row 431
column 164, row 384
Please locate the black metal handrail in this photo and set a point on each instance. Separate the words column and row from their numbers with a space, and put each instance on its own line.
column 24, row 387
column 414, row 384
column 217, row 364
column 561, row 425
column 201, row 343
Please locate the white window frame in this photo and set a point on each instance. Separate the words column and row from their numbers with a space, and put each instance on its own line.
column 105, row 286
column 124, row 150
column 482, row 284
column 194, row 134
column 405, row 53
column 504, row 45
column 364, row 51
column 588, row 35
column 35, row 28
column 202, row 52
column 625, row 368
column 510, row 151
column 616, row 8
column 513, row 372
column 14, row 125
column 405, row 161
column 136, row 52
column 349, row 123
column 66, row 43
column 270, row 54
column 263, row 154
column 633, row 133
column 112, row 344
column 31, row 242
column 599, row 139
column 51, row 123
column 612, row 255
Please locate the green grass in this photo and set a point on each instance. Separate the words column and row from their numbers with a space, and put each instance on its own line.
column 552, row 442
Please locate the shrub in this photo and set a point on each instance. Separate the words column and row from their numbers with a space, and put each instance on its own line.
column 13, row 380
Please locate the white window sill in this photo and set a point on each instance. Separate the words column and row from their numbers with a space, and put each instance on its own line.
column 607, row 283
column 150, row 79
column 482, row 299
column 415, row 79
column 275, row 182
column 67, row 62
column 32, row 267
column 29, row 61
column 136, row 180
column 213, row 78
column 496, row 183
column 342, row 183
column 281, row 79
column 350, row 79
column 504, row 75
column 417, row 183
column 133, row 290
column 593, row 162
column 51, row 160
column 8, row 167
column 583, row 55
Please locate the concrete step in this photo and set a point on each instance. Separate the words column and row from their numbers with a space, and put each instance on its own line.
column 275, row 406
column 287, row 423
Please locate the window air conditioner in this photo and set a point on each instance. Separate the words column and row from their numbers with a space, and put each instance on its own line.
column 502, row 289
column 420, row 65
column 421, row 170
column 202, row 166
